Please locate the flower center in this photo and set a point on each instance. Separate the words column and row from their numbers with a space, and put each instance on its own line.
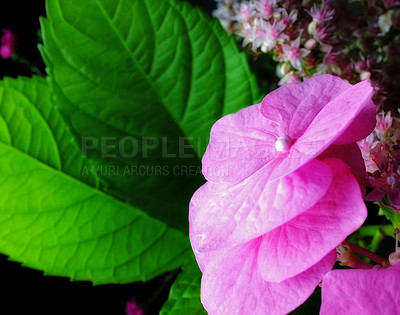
column 283, row 144
column 294, row 54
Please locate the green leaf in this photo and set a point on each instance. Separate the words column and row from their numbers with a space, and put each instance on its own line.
column 53, row 217
column 145, row 69
column 392, row 216
column 184, row 297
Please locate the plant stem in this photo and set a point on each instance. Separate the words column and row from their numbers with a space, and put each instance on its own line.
column 366, row 253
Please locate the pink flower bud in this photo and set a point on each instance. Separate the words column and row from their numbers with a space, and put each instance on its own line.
column 310, row 44
column 132, row 308
column 8, row 43
column 394, row 258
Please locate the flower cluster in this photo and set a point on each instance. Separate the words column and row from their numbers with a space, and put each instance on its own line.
column 381, row 153
column 265, row 232
column 356, row 40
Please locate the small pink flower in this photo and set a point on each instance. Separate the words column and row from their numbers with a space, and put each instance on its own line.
column 322, row 34
column 330, row 63
column 132, row 308
column 263, row 35
column 289, row 19
column 291, row 77
column 245, row 12
column 267, row 8
column 321, row 15
column 8, row 44
column 366, row 146
column 248, row 34
column 383, row 123
column 293, row 53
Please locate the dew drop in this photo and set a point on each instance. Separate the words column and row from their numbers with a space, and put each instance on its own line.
column 283, row 144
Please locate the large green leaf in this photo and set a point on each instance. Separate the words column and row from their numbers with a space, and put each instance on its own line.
column 54, row 218
column 154, row 70
column 184, row 297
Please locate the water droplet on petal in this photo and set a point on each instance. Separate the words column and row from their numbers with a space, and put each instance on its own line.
column 283, row 144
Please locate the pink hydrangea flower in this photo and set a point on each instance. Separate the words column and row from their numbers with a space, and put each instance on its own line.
column 8, row 43
column 265, row 227
column 362, row 291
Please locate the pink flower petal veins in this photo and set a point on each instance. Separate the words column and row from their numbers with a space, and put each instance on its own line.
column 240, row 144
column 293, row 107
column 336, row 123
column 231, row 284
column 310, row 236
column 227, row 215
column 360, row 291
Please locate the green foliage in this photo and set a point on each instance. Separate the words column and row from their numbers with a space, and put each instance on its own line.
column 157, row 72
column 184, row 297
column 392, row 216
column 145, row 69
column 52, row 219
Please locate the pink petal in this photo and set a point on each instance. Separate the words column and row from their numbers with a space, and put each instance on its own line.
column 310, row 236
column 226, row 215
column 351, row 155
column 361, row 291
column 364, row 122
column 240, row 144
column 394, row 197
column 231, row 284
column 375, row 195
column 332, row 123
column 293, row 107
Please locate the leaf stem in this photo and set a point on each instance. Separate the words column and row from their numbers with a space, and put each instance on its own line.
column 366, row 253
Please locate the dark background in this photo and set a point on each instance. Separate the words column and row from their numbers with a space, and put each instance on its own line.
column 27, row 291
